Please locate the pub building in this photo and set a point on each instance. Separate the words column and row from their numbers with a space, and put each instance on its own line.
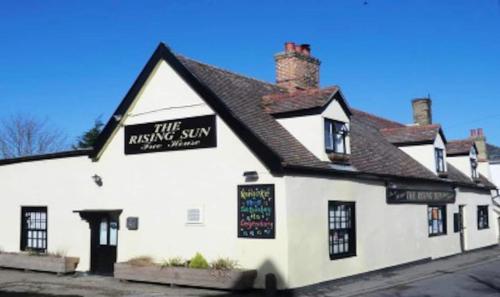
column 283, row 177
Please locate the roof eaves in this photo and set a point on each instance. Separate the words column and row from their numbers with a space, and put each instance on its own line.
column 49, row 156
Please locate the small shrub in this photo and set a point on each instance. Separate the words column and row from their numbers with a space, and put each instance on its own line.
column 223, row 264
column 198, row 262
column 174, row 262
column 141, row 261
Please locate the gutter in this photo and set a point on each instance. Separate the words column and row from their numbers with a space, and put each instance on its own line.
column 297, row 169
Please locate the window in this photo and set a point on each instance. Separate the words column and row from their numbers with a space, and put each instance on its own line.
column 335, row 137
column 34, row 229
column 108, row 232
column 440, row 160
column 437, row 220
column 482, row 217
column 473, row 165
column 342, row 229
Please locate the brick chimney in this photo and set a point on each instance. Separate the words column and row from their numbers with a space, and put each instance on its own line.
column 478, row 136
column 296, row 69
column 422, row 111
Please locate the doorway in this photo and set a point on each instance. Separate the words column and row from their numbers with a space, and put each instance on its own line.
column 104, row 226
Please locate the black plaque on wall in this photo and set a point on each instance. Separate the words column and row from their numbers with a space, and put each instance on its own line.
column 256, row 211
column 419, row 196
column 171, row 135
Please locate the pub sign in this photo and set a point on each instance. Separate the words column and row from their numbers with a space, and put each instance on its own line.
column 171, row 135
column 396, row 194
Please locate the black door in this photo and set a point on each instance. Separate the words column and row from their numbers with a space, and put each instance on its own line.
column 103, row 243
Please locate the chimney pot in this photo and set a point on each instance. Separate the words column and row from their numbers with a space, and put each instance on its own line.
column 289, row 46
column 306, row 49
column 478, row 136
column 422, row 111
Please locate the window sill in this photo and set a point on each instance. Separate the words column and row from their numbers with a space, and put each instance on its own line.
column 484, row 228
column 437, row 235
column 342, row 256
column 339, row 157
column 443, row 174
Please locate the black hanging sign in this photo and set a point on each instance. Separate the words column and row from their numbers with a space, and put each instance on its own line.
column 256, row 211
column 396, row 194
column 171, row 135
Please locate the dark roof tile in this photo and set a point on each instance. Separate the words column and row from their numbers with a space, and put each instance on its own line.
column 459, row 147
column 411, row 134
column 493, row 152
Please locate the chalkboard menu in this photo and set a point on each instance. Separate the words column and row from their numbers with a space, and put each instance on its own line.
column 171, row 135
column 256, row 211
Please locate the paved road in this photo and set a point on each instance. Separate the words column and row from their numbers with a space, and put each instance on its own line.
column 474, row 274
column 479, row 281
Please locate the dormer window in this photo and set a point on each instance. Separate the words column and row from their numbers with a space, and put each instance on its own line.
column 473, row 165
column 440, row 168
column 335, row 137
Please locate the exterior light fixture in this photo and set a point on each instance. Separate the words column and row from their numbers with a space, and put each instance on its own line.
column 97, row 179
column 117, row 117
column 251, row 176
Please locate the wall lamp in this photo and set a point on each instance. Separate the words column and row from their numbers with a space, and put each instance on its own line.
column 97, row 179
column 251, row 176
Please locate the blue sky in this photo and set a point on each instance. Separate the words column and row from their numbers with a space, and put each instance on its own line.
column 72, row 61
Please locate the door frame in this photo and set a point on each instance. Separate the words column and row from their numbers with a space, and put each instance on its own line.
column 93, row 217
column 461, row 212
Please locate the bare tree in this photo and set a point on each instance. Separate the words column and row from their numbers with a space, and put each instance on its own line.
column 24, row 135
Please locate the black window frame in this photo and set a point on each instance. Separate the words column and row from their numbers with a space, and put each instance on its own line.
column 41, row 233
column 439, row 155
column 443, row 220
column 330, row 131
column 483, row 211
column 350, row 229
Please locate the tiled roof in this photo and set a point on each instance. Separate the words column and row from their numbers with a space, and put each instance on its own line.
column 239, row 102
column 243, row 96
column 299, row 100
column 371, row 149
column 459, row 147
column 411, row 134
column 493, row 152
column 375, row 121
column 371, row 153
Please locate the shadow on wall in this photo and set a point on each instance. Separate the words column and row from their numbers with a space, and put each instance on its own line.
column 273, row 279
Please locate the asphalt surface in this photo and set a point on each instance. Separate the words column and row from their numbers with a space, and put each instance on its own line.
column 478, row 281
column 475, row 274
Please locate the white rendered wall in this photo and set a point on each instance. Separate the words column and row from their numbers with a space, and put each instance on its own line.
column 425, row 154
column 477, row 238
column 462, row 163
column 156, row 187
column 309, row 130
column 495, row 173
column 386, row 234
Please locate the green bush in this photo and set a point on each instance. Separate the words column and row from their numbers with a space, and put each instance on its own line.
column 198, row 262
column 223, row 264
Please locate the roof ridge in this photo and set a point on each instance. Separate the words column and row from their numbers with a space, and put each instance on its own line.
column 377, row 116
column 228, row 71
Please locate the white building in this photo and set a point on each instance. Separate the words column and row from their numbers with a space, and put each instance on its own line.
column 285, row 178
